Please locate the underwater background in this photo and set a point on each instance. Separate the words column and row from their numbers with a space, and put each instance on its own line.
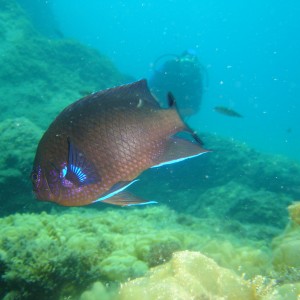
column 227, row 225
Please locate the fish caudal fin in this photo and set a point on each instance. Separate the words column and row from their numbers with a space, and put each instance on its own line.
column 177, row 150
column 126, row 199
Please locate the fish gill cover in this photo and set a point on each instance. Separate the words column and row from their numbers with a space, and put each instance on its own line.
column 227, row 219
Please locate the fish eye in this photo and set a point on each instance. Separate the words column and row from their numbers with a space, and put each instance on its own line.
column 34, row 177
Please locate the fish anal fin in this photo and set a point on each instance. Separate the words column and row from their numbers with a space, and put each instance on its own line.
column 178, row 149
column 126, row 199
column 116, row 188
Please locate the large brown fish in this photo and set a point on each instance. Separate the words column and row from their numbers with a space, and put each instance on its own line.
column 98, row 145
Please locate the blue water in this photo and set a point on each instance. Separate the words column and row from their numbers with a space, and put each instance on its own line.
column 250, row 49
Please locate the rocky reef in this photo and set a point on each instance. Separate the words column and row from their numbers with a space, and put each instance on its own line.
column 232, row 182
column 56, row 256
column 39, row 76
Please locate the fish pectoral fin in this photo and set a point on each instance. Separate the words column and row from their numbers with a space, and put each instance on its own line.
column 178, row 149
column 126, row 199
column 79, row 169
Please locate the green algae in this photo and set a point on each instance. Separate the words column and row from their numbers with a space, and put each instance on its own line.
column 41, row 74
column 62, row 254
column 232, row 182
column 43, row 253
column 18, row 141
column 54, row 256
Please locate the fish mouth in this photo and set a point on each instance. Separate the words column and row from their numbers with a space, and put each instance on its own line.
column 45, row 196
column 44, row 192
column 39, row 193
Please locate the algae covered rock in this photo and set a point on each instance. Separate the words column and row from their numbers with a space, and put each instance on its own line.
column 120, row 266
column 18, row 141
column 46, row 255
column 233, row 181
column 294, row 211
column 97, row 292
column 192, row 275
column 289, row 291
column 64, row 253
column 243, row 203
column 189, row 275
column 39, row 74
column 286, row 254
column 232, row 159
column 286, row 258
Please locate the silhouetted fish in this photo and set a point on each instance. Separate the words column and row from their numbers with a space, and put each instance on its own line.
column 227, row 111
column 97, row 146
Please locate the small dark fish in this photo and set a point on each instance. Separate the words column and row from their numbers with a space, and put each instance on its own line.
column 97, row 146
column 227, row 111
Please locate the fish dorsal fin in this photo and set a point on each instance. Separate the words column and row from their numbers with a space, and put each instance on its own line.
column 136, row 93
column 178, row 149
column 79, row 170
